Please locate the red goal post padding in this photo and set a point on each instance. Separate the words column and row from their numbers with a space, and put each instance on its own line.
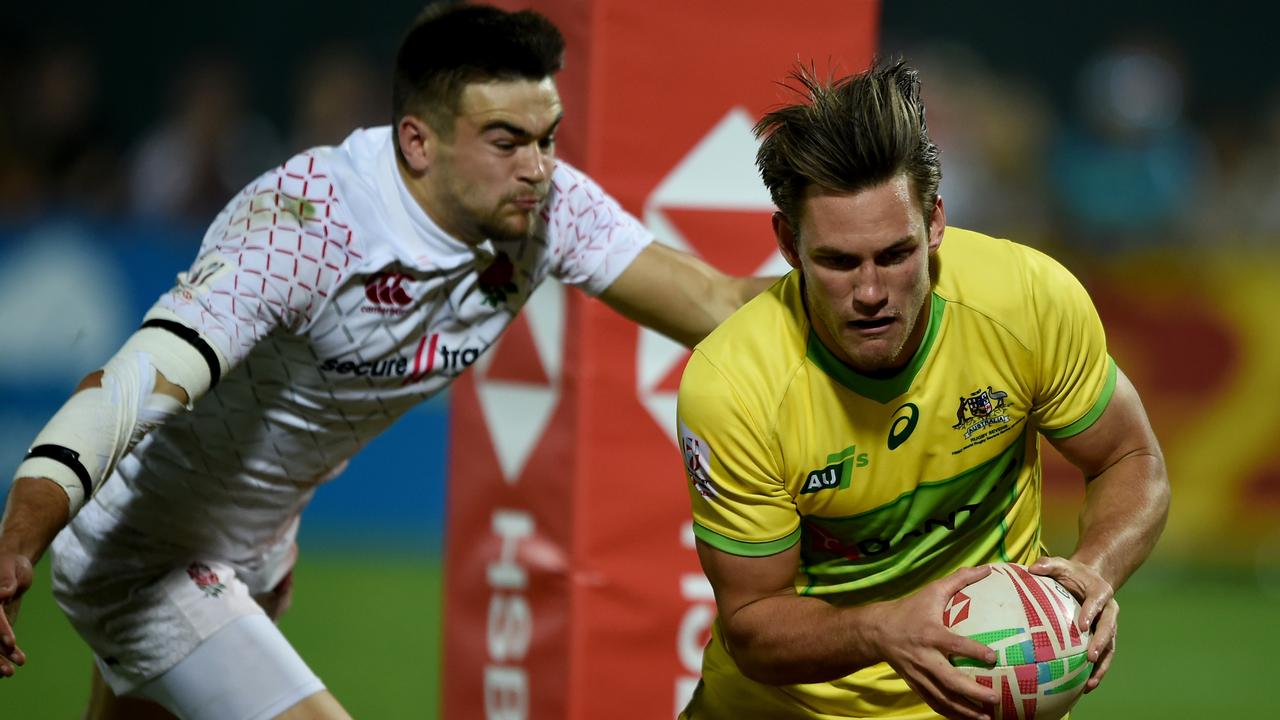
column 571, row 586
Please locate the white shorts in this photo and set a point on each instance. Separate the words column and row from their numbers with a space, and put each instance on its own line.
column 245, row 671
column 142, row 615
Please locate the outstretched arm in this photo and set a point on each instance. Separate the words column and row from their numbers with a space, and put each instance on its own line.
column 36, row 510
column 677, row 294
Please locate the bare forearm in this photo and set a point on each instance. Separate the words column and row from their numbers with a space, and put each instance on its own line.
column 721, row 296
column 749, row 287
column 1124, row 513
column 790, row 639
column 34, row 513
column 679, row 295
column 715, row 299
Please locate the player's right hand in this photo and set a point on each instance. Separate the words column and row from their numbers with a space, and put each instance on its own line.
column 15, row 578
column 910, row 636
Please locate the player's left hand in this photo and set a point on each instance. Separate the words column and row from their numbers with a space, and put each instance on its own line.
column 1099, row 611
column 15, row 579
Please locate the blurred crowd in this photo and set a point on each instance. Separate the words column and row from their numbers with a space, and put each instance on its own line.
column 61, row 151
column 1123, row 165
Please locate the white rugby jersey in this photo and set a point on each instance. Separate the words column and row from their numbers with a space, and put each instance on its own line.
column 339, row 305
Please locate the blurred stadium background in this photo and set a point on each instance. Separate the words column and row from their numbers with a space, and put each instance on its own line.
column 1139, row 145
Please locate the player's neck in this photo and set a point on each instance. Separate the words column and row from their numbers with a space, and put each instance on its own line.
column 427, row 194
column 905, row 355
column 916, row 338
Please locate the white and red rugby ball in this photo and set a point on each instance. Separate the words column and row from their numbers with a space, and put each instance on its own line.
column 1029, row 620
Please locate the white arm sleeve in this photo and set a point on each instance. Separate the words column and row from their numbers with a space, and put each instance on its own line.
column 592, row 238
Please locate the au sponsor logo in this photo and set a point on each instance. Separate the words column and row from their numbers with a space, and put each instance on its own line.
column 838, row 474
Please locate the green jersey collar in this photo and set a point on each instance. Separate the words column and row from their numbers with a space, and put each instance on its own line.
column 881, row 390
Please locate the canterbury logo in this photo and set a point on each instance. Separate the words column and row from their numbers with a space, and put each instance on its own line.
column 387, row 289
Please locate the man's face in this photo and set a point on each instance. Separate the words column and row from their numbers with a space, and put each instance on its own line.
column 864, row 257
column 491, row 177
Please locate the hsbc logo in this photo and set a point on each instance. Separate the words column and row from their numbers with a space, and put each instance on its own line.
column 387, row 293
column 713, row 205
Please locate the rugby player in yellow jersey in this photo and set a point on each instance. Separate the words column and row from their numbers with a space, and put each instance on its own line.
column 862, row 438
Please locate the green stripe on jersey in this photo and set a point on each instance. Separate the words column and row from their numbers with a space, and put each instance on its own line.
column 1084, row 423
column 745, row 549
column 959, row 520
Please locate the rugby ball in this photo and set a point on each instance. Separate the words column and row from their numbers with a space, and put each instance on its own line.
column 1029, row 620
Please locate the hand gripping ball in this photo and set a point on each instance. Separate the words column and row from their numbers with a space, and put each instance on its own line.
column 1029, row 620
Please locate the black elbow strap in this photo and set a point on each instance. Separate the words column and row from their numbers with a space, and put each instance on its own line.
column 65, row 456
column 192, row 338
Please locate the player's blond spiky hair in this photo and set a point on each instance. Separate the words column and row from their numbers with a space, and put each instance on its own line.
column 847, row 135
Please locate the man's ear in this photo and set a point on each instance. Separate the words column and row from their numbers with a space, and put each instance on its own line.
column 937, row 224
column 786, row 238
column 419, row 143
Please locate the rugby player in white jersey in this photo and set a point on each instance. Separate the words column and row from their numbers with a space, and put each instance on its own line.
column 316, row 313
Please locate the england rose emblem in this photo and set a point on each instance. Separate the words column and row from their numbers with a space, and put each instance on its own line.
column 497, row 280
column 206, row 579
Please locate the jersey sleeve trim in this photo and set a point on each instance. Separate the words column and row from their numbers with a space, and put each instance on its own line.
column 1084, row 423
column 745, row 549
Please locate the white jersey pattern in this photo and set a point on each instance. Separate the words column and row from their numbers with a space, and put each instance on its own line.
column 338, row 305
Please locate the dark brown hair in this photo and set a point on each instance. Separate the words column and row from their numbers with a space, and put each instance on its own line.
column 847, row 135
column 451, row 45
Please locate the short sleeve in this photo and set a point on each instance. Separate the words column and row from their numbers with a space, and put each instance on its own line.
column 268, row 261
column 1076, row 377
column 591, row 238
column 740, row 505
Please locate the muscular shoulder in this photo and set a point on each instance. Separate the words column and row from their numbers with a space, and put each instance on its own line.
column 758, row 350
column 1007, row 284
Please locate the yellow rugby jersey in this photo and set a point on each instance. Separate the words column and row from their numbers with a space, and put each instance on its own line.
column 890, row 483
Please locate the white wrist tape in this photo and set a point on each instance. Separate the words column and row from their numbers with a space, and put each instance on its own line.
column 87, row 437
column 97, row 426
